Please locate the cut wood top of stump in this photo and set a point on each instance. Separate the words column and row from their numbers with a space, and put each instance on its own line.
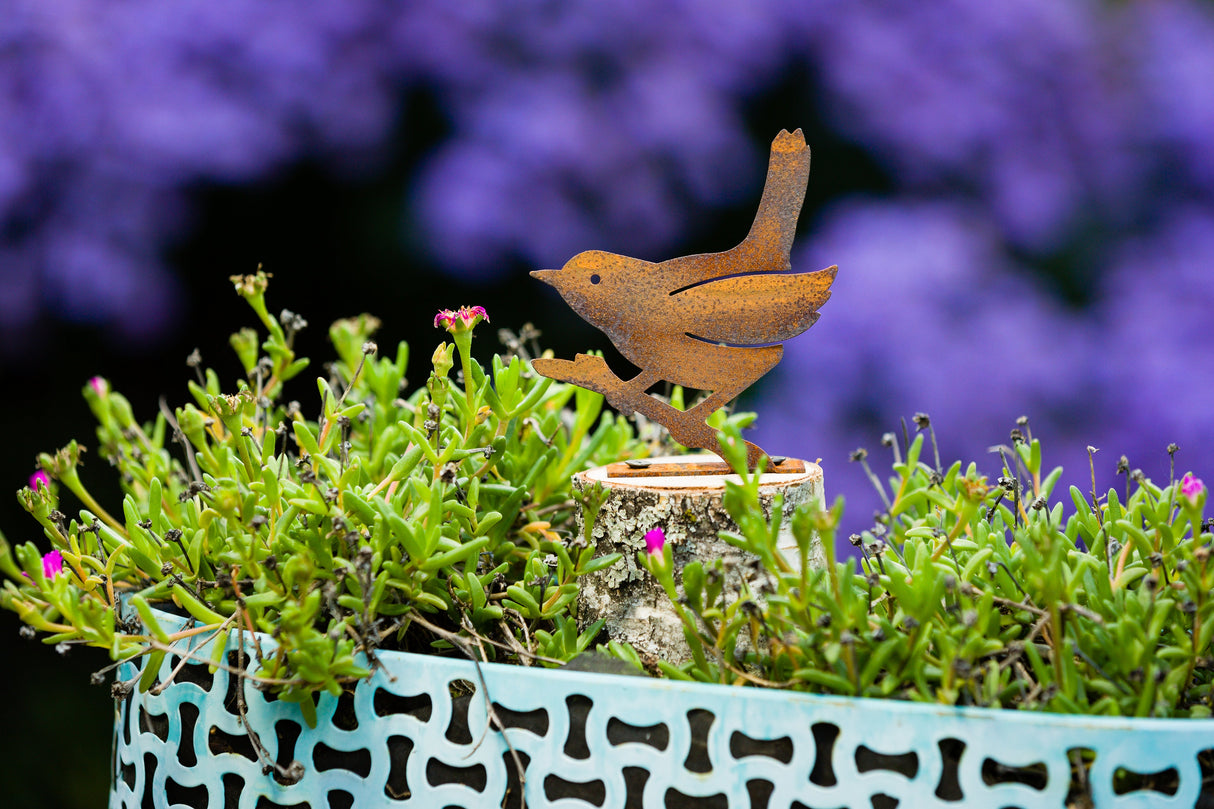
column 695, row 472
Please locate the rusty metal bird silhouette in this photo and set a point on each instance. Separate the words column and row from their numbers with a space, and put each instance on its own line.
column 715, row 321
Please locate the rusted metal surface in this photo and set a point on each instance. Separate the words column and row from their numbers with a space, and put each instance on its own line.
column 715, row 321
column 644, row 469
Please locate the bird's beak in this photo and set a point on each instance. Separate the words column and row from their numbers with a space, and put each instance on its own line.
column 547, row 276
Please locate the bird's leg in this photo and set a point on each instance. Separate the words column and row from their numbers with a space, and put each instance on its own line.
column 716, row 400
column 749, row 366
column 643, row 381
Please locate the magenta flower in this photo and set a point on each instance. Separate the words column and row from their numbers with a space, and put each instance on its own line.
column 655, row 541
column 40, row 479
column 1191, row 487
column 52, row 564
column 100, row 385
column 463, row 319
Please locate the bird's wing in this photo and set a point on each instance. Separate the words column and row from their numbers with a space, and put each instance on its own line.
column 754, row 309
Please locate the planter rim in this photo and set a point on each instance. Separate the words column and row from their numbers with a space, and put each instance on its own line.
column 710, row 693
column 888, row 730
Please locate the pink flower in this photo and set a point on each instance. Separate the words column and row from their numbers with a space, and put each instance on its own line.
column 1191, row 487
column 52, row 564
column 40, row 479
column 99, row 385
column 463, row 319
column 655, row 541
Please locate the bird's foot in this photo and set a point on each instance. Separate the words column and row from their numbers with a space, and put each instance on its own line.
column 590, row 372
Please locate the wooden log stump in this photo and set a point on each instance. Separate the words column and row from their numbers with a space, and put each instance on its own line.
column 690, row 511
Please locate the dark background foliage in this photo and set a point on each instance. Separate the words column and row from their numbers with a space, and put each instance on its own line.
column 1020, row 199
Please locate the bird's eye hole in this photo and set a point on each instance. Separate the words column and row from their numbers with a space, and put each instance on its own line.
column 594, row 279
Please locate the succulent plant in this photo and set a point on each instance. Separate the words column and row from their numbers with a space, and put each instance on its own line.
column 971, row 592
column 370, row 519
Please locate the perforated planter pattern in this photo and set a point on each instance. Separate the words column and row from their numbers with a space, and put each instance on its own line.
column 415, row 735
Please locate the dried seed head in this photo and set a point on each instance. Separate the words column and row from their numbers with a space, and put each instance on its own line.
column 291, row 321
column 1173, row 449
column 858, row 454
column 888, row 439
column 1123, row 465
column 922, row 421
column 855, row 540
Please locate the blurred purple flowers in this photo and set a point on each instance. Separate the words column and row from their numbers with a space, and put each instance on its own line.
column 1044, row 248
column 109, row 112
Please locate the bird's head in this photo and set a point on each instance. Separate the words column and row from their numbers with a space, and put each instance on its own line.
column 586, row 277
column 580, row 273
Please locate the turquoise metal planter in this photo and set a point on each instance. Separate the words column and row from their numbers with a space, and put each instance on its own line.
column 416, row 735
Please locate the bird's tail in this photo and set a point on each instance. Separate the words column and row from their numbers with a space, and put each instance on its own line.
column 775, row 223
